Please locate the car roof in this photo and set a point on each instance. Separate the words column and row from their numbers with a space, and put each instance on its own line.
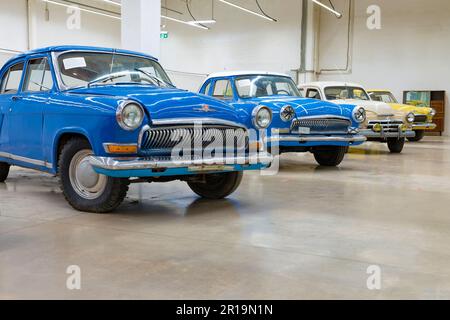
column 224, row 74
column 325, row 84
column 78, row 48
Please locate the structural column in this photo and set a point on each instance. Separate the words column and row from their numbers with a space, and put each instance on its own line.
column 141, row 26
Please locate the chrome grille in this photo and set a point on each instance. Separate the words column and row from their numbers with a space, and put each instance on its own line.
column 388, row 125
column 420, row 118
column 220, row 138
column 322, row 125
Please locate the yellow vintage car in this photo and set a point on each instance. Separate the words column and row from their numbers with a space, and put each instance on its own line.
column 423, row 116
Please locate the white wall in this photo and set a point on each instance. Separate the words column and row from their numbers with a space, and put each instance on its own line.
column 94, row 29
column 237, row 41
column 410, row 52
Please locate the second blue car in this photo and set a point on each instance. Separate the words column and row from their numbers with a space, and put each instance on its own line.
column 271, row 103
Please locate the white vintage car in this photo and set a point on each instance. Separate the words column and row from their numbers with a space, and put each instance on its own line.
column 383, row 123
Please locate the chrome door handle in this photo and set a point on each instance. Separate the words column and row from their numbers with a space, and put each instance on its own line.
column 16, row 98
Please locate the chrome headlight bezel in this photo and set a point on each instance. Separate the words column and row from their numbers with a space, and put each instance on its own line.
column 256, row 112
column 433, row 112
column 121, row 118
column 359, row 114
column 287, row 113
column 410, row 117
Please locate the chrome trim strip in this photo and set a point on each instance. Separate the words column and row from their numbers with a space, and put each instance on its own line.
column 383, row 134
column 327, row 116
column 189, row 121
column 115, row 164
column 357, row 138
column 26, row 160
column 429, row 126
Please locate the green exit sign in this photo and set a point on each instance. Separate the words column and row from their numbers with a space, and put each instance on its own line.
column 164, row 35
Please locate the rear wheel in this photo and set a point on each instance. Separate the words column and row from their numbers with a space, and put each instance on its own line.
column 217, row 186
column 4, row 171
column 419, row 136
column 396, row 145
column 84, row 189
column 330, row 156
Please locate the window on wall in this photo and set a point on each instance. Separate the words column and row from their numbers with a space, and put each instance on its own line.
column 39, row 76
column 223, row 90
column 11, row 80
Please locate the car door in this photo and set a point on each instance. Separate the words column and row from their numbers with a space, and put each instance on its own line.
column 26, row 115
column 10, row 87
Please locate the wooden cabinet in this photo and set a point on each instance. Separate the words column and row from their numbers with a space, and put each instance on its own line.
column 427, row 98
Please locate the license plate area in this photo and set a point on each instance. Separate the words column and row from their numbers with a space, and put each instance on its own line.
column 304, row 130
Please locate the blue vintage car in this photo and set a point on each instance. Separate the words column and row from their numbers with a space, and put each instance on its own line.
column 295, row 124
column 99, row 117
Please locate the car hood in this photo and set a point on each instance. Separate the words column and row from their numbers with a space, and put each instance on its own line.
column 304, row 107
column 165, row 103
column 408, row 108
column 375, row 107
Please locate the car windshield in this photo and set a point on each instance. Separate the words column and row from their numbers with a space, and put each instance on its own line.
column 265, row 86
column 81, row 69
column 386, row 97
column 346, row 93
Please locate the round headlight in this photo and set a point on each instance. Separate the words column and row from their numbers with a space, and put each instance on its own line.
column 130, row 115
column 433, row 112
column 262, row 117
column 287, row 113
column 359, row 114
column 410, row 117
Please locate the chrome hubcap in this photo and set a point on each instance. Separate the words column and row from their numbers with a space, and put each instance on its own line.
column 85, row 181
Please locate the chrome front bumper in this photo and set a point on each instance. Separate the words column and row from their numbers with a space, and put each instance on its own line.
column 370, row 134
column 424, row 126
column 302, row 139
column 155, row 163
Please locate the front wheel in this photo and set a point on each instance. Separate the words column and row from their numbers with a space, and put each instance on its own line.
column 330, row 156
column 83, row 188
column 217, row 186
column 4, row 171
column 419, row 136
column 396, row 145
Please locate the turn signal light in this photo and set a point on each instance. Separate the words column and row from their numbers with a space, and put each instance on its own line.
column 122, row 149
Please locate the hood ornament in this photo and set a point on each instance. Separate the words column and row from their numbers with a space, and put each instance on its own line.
column 204, row 108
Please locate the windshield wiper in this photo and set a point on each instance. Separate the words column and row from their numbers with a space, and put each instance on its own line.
column 158, row 80
column 105, row 79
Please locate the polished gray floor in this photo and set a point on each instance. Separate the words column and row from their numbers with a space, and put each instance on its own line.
column 305, row 233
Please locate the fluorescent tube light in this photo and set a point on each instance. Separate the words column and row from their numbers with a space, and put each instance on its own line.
column 202, row 22
column 113, row 3
column 339, row 15
column 83, row 9
column 247, row 10
column 184, row 22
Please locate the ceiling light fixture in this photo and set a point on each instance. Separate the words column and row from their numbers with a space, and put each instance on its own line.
column 113, row 2
column 247, row 10
column 184, row 22
column 82, row 9
column 202, row 22
column 339, row 15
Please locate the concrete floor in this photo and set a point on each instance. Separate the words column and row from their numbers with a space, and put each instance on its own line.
column 306, row 233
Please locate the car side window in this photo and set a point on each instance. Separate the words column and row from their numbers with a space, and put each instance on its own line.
column 11, row 80
column 223, row 90
column 38, row 77
column 206, row 88
column 313, row 94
